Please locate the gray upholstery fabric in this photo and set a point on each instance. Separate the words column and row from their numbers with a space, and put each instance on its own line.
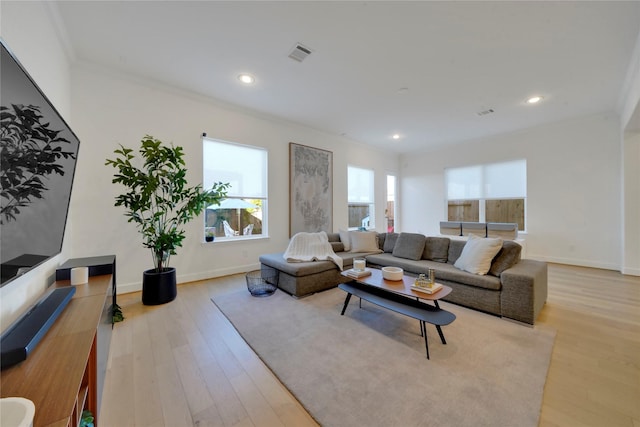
column 307, row 285
column 524, row 290
column 455, row 249
column 390, row 242
column 333, row 237
column 518, row 293
column 443, row 271
column 451, row 273
column 381, row 239
column 409, row 245
column 506, row 258
column 436, row 249
column 298, row 269
column 337, row 246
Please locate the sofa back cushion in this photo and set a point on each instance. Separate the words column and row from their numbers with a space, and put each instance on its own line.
column 506, row 258
column 390, row 242
column 337, row 246
column 409, row 246
column 436, row 249
column 455, row 249
column 333, row 237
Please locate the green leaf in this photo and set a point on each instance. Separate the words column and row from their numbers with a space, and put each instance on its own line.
column 157, row 196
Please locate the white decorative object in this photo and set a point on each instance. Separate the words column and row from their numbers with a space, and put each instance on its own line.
column 392, row 273
column 359, row 264
column 79, row 275
column 16, row 412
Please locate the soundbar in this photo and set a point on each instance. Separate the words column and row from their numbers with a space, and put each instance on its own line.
column 21, row 338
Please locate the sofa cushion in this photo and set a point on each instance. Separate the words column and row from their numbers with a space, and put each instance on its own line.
column 337, row 246
column 297, row 269
column 477, row 254
column 436, row 249
column 445, row 273
column 455, row 249
column 364, row 241
column 449, row 273
column 507, row 257
column 409, row 246
column 390, row 242
column 333, row 237
column 345, row 238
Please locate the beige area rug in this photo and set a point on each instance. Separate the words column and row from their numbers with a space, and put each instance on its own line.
column 369, row 367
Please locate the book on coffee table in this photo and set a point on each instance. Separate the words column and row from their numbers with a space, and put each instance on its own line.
column 434, row 288
column 358, row 274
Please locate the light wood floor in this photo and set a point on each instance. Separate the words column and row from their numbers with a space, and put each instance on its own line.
column 183, row 364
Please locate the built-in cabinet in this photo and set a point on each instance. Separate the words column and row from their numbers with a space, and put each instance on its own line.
column 65, row 372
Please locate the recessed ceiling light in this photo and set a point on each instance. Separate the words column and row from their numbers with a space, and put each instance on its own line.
column 395, row 136
column 534, row 99
column 246, row 78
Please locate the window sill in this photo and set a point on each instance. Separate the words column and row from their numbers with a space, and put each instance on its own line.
column 234, row 239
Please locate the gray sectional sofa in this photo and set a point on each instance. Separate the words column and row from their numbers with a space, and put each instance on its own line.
column 513, row 288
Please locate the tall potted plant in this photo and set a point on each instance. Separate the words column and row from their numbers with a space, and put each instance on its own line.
column 159, row 201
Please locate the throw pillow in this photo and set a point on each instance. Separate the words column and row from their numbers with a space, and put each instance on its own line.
column 345, row 238
column 436, row 249
column 390, row 242
column 409, row 246
column 337, row 246
column 507, row 257
column 477, row 254
column 364, row 241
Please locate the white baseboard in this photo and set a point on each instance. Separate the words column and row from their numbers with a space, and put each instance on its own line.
column 631, row 271
column 577, row 262
column 126, row 288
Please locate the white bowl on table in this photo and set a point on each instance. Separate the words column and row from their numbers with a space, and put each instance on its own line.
column 392, row 273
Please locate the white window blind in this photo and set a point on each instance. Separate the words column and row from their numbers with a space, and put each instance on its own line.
column 241, row 166
column 360, row 185
column 491, row 181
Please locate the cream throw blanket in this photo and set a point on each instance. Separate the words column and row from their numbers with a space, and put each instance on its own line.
column 311, row 247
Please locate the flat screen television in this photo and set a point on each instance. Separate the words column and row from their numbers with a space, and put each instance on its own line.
column 38, row 155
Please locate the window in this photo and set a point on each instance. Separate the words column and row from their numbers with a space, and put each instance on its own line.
column 495, row 192
column 390, row 209
column 242, row 214
column 360, row 187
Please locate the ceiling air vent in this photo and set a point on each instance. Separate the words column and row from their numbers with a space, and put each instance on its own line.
column 485, row 112
column 299, row 52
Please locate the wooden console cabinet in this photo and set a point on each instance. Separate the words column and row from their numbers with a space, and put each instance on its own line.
column 61, row 376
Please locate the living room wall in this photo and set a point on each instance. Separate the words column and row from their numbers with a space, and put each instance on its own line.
column 111, row 108
column 573, row 187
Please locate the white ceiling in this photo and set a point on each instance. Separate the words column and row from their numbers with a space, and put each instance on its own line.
column 454, row 58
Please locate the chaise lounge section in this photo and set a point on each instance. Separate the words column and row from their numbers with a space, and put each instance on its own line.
column 301, row 279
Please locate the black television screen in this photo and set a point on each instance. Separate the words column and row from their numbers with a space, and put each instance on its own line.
column 38, row 155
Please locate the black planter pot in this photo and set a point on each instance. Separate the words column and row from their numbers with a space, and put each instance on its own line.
column 159, row 288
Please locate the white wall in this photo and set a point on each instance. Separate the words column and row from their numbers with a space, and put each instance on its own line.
column 631, row 217
column 630, row 123
column 28, row 31
column 109, row 109
column 573, row 187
